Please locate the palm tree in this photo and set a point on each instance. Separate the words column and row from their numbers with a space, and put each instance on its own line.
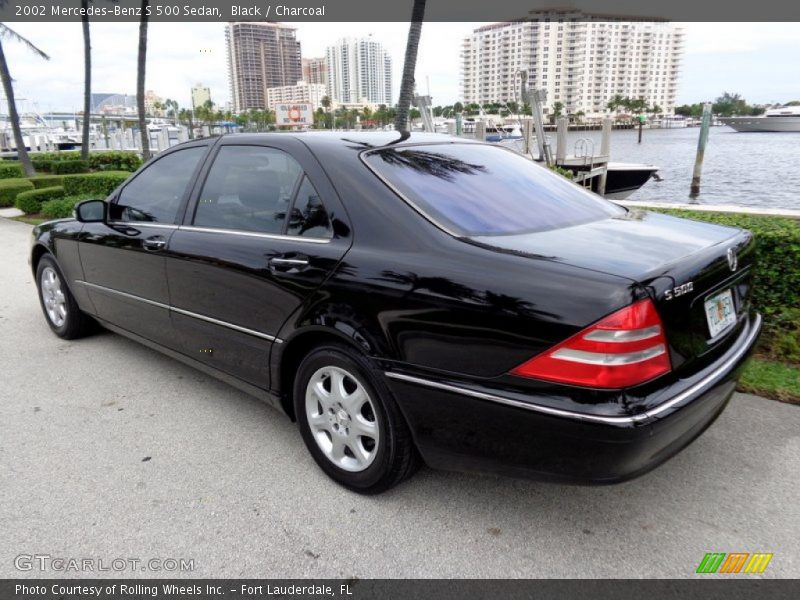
column 8, row 88
column 142, row 59
column 87, row 80
column 409, row 66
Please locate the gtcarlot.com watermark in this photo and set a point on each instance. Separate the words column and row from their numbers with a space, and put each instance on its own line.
column 68, row 564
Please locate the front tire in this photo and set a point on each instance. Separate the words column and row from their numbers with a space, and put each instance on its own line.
column 58, row 304
column 350, row 422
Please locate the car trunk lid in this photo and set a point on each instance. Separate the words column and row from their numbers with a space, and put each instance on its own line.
column 683, row 265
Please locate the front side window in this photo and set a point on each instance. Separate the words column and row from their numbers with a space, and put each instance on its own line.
column 155, row 194
column 477, row 189
column 249, row 188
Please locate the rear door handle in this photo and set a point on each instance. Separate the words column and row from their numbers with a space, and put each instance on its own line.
column 279, row 263
column 154, row 243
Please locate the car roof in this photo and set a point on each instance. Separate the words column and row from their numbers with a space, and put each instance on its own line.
column 368, row 139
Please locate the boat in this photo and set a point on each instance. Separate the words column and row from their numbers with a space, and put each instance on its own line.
column 785, row 119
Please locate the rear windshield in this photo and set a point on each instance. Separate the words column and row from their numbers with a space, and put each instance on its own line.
column 477, row 189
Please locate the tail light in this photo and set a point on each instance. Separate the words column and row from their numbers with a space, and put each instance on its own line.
column 624, row 349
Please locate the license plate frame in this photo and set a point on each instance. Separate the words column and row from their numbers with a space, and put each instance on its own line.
column 720, row 311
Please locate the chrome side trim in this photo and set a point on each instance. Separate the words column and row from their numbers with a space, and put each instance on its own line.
column 252, row 332
column 187, row 313
column 697, row 388
column 269, row 236
column 511, row 402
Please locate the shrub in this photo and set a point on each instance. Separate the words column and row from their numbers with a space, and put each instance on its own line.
column 63, row 167
column 9, row 188
column 43, row 181
column 777, row 277
column 42, row 164
column 61, row 208
column 99, row 184
column 9, row 169
column 30, row 202
column 115, row 160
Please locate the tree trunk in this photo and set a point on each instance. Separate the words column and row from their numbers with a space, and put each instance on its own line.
column 87, row 82
column 409, row 66
column 145, row 134
column 8, row 88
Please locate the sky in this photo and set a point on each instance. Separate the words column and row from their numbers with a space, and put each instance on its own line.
column 756, row 60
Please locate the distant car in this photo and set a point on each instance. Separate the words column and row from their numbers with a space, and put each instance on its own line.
column 416, row 297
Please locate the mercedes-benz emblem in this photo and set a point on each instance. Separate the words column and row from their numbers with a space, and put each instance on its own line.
column 733, row 260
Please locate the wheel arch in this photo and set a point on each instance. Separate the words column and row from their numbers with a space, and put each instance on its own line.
column 37, row 252
column 291, row 352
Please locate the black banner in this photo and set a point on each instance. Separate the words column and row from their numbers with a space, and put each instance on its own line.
column 373, row 10
column 389, row 589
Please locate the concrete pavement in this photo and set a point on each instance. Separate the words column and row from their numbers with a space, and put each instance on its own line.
column 109, row 449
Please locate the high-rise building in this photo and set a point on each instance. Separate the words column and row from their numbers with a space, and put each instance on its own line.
column 153, row 105
column 315, row 70
column 582, row 60
column 261, row 55
column 359, row 70
column 200, row 95
column 311, row 93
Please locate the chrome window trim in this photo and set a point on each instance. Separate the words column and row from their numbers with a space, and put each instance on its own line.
column 135, row 224
column 697, row 388
column 271, row 236
column 187, row 313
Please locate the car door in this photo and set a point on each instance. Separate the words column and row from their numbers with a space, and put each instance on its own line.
column 123, row 259
column 262, row 232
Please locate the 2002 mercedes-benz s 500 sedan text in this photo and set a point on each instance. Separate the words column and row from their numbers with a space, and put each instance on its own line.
column 421, row 297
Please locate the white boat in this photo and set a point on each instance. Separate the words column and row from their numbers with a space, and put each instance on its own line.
column 673, row 122
column 785, row 119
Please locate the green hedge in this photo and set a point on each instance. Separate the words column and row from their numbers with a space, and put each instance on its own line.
column 42, row 164
column 43, row 181
column 776, row 284
column 9, row 169
column 99, row 184
column 64, row 167
column 9, row 188
column 115, row 160
column 61, row 208
column 30, row 202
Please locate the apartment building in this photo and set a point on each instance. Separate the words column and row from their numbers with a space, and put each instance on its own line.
column 359, row 71
column 582, row 60
column 200, row 95
column 311, row 93
column 261, row 55
column 315, row 70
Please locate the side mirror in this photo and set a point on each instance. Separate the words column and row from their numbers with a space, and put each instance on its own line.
column 91, row 211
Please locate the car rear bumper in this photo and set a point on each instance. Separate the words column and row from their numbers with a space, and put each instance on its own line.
column 468, row 428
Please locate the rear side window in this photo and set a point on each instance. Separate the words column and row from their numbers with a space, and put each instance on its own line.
column 248, row 188
column 155, row 194
column 476, row 189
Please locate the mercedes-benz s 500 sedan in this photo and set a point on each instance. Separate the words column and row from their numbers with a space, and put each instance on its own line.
column 416, row 298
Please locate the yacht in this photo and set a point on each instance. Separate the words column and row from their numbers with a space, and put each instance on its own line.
column 782, row 119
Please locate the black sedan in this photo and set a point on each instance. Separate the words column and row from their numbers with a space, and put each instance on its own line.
column 416, row 298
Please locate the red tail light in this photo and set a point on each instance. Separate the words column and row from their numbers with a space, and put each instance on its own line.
column 624, row 349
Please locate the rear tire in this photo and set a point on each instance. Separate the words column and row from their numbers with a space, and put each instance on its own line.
column 58, row 304
column 350, row 423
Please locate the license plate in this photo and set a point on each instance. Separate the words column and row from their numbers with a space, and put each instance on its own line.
column 720, row 312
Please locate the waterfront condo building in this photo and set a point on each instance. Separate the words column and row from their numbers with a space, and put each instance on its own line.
column 261, row 55
column 315, row 70
column 311, row 93
column 359, row 71
column 582, row 60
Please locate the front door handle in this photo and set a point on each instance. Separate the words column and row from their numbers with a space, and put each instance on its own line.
column 154, row 243
column 280, row 263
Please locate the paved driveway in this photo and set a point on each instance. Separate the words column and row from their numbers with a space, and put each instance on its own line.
column 110, row 450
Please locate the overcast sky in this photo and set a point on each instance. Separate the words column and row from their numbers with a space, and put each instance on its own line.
column 757, row 60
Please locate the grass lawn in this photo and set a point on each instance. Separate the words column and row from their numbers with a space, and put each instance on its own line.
column 771, row 379
column 32, row 219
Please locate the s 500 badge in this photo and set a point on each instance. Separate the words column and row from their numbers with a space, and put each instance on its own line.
column 679, row 290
